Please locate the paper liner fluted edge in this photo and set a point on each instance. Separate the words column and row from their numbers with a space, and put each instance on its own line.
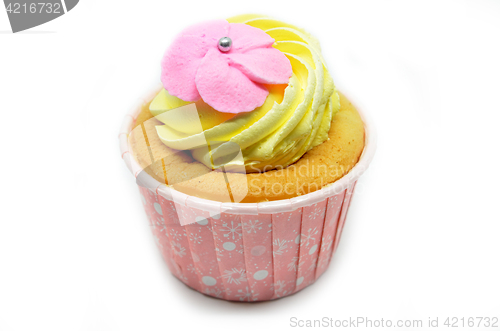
column 247, row 257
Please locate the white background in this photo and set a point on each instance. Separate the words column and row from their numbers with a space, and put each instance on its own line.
column 422, row 237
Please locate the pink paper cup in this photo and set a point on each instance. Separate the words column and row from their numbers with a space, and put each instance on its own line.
column 247, row 251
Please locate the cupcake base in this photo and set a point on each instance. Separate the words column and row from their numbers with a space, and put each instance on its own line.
column 246, row 251
column 247, row 257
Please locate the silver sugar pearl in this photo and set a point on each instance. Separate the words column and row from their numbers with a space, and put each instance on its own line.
column 225, row 44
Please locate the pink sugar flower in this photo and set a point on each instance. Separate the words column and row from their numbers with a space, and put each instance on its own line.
column 227, row 78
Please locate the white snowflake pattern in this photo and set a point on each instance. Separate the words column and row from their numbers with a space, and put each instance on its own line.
column 314, row 263
column 252, row 226
column 161, row 225
column 327, row 243
column 317, row 212
column 247, row 295
column 308, row 237
column 174, row 234
column 218, row 253
column 191, row 268
column 240, row 250
column 194, row 237
column 235, row 276
column 218, row 293
column 182, row 277
column 178, row 249
column 171, row 214
column 280, row 246
column 293, row 265
column 153, row 221
column 232, row 230
column 270, row 226
column 279, row 287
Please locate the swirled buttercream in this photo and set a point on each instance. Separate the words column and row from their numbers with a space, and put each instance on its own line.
column 293, row 119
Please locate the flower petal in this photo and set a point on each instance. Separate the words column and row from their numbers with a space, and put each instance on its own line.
column 225, row 88
column 246, row 37
column 183, row 57
column 263, row 65
column 213, row 30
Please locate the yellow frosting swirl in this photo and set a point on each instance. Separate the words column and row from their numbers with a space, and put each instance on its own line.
column 294, row 118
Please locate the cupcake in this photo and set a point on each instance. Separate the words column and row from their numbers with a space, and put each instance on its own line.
column 246, row 158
